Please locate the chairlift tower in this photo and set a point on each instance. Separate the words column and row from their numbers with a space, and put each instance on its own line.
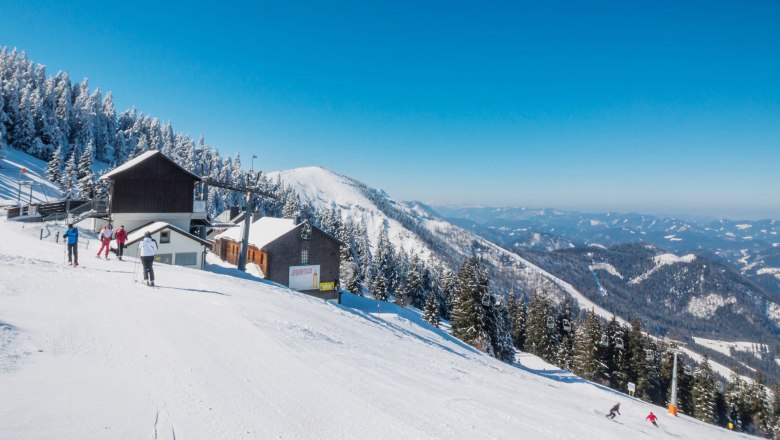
column 673, row 401
column 249, row 195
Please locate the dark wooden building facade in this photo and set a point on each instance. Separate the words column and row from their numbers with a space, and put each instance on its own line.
column 151, row 183
column 300, row 247
column 150, row 188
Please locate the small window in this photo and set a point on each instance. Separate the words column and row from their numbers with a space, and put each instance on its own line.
column 165, row 237
column 163, row 258
column 187, row 259
column 305, row 256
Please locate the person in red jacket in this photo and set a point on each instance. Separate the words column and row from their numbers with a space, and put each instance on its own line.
column 652, row 418
column 121, row 237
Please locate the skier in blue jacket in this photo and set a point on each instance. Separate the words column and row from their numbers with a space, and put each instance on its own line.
column 72, row 235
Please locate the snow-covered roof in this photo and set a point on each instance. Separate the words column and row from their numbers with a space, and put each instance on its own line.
column 140, row 158
column 262, row 232
column 154, row 227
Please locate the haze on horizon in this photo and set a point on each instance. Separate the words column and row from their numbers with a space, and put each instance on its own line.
column 650, row 107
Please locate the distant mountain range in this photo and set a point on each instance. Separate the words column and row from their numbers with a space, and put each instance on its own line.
column 750, row 247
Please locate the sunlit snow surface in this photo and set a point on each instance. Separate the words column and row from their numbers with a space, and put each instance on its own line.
column 86, row 353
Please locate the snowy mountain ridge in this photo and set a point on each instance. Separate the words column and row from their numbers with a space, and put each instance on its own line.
column 413, row 227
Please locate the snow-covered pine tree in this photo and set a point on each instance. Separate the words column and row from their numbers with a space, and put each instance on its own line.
column 654, row 390
column 54, row 167
column 401, row 292
column 775, row 411
column 140, row 148
column 758, row 406
column 24, row 131
column 613, row 355
column 586, row 359
column 564, row 350
column 684, row 389
column 102, row 188
column 385, row 260
column 64, row 108
column 518, row 316
column 414, row 291
column 446, row 289
column 499, row 327
column 108, row 129
column 85, row 176
column 364, row 257
column 431, row 310
column 637, row 357
column 68, row 177
column 468, row 312
column 378, row 287
column 3, row 118
column 155, row 136
column 704, row 393
column 291, row 204
column 540, row 326
column 349, row 278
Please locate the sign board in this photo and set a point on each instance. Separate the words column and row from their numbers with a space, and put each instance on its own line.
column 631, row 387
column 327, row 286
column 305, row 277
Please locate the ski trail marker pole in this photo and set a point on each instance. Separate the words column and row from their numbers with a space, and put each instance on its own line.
column 135, row 267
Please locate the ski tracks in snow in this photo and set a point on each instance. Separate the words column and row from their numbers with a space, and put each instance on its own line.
column 162, row 428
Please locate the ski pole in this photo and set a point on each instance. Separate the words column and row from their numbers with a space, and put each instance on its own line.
column 135, row 266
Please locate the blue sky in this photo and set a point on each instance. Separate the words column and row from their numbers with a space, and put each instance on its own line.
column 657, row 107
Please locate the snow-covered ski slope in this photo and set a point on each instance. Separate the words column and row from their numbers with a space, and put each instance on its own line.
column 10, row 173
column 86, row 353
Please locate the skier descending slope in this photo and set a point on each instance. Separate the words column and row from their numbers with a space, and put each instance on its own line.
column 615, row 409
column 148, row 248
column 652, row 418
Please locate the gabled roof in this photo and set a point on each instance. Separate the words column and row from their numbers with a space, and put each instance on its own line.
column 141, row 158
column 154, row 227
column 262, row 232
column 266, row 230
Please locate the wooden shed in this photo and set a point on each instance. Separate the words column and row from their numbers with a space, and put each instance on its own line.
column 300, row 256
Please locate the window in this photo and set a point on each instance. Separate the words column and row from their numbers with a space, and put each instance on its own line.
column 187, row 259
column 165, row 237
column 163, row 258
column 305, row 256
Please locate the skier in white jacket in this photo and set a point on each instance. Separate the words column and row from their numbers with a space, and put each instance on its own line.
column 148, row 248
